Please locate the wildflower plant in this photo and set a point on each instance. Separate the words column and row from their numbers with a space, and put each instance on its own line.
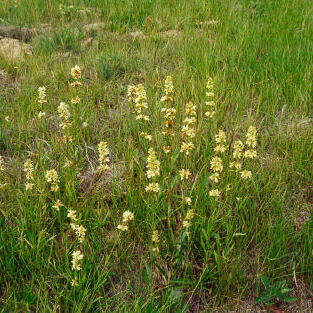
column 137, row 98
column 155, row 240
column 80, row 233
column 127, row 217
column 169, row 113
column 41, row 100
column 79, row 230
column 103, row 156
column 141, row 104
column 215, row 94
column 153, row 170
column 57, row 205
column 177, row 184
column 188, row 220
column 2, row 169
column 75, row 100
column 76, row 75
column 77, row 258
column 64, row 115
column 210, row 103
column 2, row 166
column 29, row 173
column 53, row 179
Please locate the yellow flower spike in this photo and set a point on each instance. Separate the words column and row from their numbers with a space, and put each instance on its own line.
column 103, row 156
column 53, row 178
column 153, row 165
column 76, row 72
column 42, row 95
column 245, row 174
column 214, row 193
column 184, row 174
column 77, row 257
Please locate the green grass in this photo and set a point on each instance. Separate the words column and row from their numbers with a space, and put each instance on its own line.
column 259, row 56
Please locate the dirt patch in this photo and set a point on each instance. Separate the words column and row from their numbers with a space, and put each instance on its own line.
column 99, row 28
column 207, row 24
column 301, row 291
column 95, row 27
column 14, row 49
column 292, row 124
column 302, row 216
column 20, row 33
column 89, row 42
column 92, row 180
column 3, row 78
column 168, row 34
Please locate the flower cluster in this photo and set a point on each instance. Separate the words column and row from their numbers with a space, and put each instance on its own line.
column 188, row 133
column 220, row 140
column 41, row 99
column 53, row 178
column 245, row 174
column 153, row 170
column 66, row 139
column 103, row 156
column 68, row 163
column 127, row 217
column 251, row 143
column 76, row 83
column 187, row 147
column 169, row 115
column 64, row 115
column 250, row 153
column 184, row 174
column 79, row 230
column 153, row 187
column 153, row 165
column 2, row 167
column 77, row 257
column 187, row 200
column 216, row 164
column 188, row 130
column 217, row 167
column 146, row 136
column 76, row 75
column 239, row 153
column 137, row 97
column 42, row 95
column 75, row 100
column 210, row 95
column 132, row 93
column 214, row 193
column 29, row 173
column 41, row 114
column 141, row 103
column 168, row 89
column 155, row 239
column 57, row 205
column 187, row 221
column 168, row 110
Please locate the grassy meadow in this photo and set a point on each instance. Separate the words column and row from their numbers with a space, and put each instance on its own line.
column 166, row 165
